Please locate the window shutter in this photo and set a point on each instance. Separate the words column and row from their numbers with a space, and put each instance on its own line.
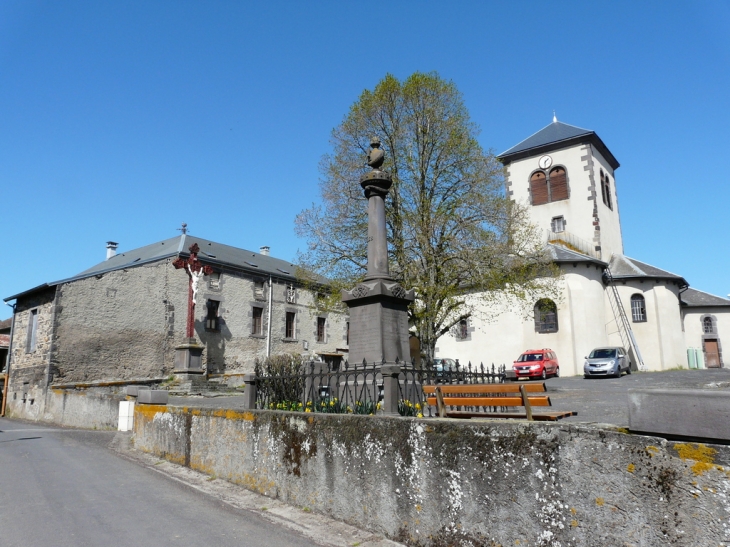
column 558, row 184
column 538, row 188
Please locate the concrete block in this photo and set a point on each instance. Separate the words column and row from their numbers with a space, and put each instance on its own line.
column 703, row 413
column 133, row 391
column 152, row 397
column 126, row 416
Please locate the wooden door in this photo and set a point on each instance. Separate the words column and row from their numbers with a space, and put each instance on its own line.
column 712, row 354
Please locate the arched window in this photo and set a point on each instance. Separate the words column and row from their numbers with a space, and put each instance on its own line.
column 546, row 316
column 558, row 184
column 545, row 188
column 538, row 188
column 638, row 308
column 707, row 326
column 606, row 190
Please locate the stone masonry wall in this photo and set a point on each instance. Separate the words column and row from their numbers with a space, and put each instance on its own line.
column 120, row 325
column 125, row 324
column 437, row 482
column 29, row 368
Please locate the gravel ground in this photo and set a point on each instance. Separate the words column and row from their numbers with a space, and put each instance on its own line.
column 598, row 400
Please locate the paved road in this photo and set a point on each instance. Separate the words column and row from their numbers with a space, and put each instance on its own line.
column 64, row 487
column 605, row 400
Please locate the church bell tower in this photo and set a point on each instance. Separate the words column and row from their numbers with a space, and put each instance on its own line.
column 566, row 176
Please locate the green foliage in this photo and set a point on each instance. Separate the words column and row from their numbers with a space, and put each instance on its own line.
column 454, row 236
column 282, row 377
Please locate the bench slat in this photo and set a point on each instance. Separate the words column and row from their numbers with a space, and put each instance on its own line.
column 485, row 388
column 539, row 400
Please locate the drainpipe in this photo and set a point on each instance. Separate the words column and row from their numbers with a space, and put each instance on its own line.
column 268, row 329
column 7, row 366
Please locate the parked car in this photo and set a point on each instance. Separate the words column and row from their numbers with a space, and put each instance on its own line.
column 537, row 363
column 444, row 368
column 607, row 362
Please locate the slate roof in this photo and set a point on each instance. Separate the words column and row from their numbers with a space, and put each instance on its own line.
column 692, row 298
column 554, row 136
column 623, row 267
column 6, row 324
column 563, row 254
column 215, row 254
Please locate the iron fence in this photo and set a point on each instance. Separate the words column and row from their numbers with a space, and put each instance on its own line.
column 361, row 388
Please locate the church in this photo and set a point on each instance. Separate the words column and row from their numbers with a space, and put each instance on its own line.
column 566, row 176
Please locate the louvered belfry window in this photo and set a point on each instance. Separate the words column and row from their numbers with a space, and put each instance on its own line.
column 558, row 184
column 545, row 189
column 538, row 188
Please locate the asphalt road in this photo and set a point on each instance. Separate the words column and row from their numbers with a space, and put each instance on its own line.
column 64, row 487
column 605, row 400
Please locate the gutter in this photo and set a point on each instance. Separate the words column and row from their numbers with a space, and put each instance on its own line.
column 268, row 328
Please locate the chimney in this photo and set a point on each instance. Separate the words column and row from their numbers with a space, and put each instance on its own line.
column 111, row 249
column 264, row 250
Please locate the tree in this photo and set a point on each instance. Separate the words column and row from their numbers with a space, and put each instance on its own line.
column 453, row 234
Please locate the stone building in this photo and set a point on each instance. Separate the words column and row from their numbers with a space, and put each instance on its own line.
column 565, row 175
column 121, row 319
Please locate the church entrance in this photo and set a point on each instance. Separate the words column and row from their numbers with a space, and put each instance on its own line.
column 712, row 354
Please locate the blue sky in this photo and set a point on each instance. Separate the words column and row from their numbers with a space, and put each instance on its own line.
column 121, row 120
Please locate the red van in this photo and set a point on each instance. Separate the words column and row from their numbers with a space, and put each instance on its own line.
column 537, row 363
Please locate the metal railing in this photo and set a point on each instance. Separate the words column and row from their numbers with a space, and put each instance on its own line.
column 572, row 242
column 360, row 388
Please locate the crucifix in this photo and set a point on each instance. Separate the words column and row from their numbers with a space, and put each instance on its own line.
column 195, row 270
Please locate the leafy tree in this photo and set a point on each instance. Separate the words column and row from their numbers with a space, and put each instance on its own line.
column 453, row 234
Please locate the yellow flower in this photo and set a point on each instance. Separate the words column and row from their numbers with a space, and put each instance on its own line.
column 308, row 410
column 349, row 409
column 332, row 403
column 419, row 415
column 379, row 406
column 418, row 407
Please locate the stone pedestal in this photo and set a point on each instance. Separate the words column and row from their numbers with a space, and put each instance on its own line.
column 189, row 357
column 378, row 321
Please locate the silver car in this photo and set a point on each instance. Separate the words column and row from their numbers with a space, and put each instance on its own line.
column 607, row 362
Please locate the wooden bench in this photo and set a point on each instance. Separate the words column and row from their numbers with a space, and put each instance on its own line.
column 492, row 395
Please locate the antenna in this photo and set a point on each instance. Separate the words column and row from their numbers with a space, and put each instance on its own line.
column 555, row 118
column 184, row 228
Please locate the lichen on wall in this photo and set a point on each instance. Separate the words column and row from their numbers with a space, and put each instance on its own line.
column 438, row 482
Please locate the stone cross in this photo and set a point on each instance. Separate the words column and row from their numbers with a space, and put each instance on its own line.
column 195, row 270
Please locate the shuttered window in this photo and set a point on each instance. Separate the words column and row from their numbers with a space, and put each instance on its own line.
column 558, row 184
column 544, row 189
column 538, row 188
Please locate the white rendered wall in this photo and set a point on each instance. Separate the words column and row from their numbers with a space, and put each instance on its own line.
column 693, row 333
column 660, row 337
column 581, row 327
column 581, row 162
column 610, row 221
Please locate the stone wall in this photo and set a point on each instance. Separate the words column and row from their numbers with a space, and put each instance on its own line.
column 120, row 325
column 30, row 366
column 93, row 408
column 433, row 482
column 125, row 324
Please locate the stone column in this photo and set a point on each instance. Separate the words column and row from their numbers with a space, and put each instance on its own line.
column 379, row 305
